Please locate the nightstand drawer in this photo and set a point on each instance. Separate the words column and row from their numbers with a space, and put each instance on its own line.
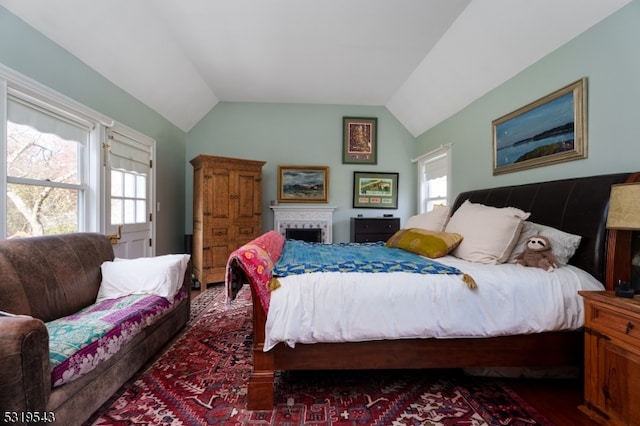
column 371, row 237
column 617, row 324
column 373, row 229
column 376, row 225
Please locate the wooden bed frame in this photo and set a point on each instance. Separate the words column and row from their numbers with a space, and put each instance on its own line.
column 578, row 206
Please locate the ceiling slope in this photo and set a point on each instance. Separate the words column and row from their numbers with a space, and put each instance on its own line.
column 422, row 59
column 490, row 42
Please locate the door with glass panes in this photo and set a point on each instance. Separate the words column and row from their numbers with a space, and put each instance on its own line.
column 128, row 189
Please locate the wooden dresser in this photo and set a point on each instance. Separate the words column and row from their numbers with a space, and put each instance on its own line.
column 612, row 358
column 371, row 229
column 227, row 211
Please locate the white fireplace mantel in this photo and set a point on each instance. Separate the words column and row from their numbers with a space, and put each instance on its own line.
column 304, row 216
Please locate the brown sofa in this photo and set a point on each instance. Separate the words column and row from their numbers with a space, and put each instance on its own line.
column 46, row 278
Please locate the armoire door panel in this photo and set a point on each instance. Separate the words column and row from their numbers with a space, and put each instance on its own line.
column 220, row 233
column 246, row 233
column 220, row 191
column 246, row 194
column 217, row 256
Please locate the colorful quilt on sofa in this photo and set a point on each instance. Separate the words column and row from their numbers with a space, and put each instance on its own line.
column 79, row 342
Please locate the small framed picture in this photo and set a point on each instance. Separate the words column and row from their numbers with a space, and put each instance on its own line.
column 360, row 140
column 303, row 184
column 375, row 190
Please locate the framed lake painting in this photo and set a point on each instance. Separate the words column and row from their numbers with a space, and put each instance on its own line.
column 551, row 130
column 303, row 184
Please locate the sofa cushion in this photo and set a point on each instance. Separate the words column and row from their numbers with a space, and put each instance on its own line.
column 79, row 342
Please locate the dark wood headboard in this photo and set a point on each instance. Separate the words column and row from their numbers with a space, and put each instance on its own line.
column 578, row 206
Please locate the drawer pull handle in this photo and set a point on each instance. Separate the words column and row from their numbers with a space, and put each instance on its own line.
column 629, row 327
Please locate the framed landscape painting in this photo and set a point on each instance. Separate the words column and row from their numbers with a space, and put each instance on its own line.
column 375, row 190
column 551, row 130
column 303, row 184
column 360, row 140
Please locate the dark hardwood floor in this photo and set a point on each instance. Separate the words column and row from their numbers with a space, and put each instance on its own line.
column 558, row 400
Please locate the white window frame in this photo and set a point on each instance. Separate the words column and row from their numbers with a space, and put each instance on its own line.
column 91, row 219
column 422, row 161
column 84, row 160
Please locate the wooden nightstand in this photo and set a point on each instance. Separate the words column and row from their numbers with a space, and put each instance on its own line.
column 612, row 358
column 372, row 229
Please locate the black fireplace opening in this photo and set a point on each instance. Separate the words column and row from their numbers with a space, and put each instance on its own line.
column 311, row 235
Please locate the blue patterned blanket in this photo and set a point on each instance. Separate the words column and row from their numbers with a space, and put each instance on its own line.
column 299, row 257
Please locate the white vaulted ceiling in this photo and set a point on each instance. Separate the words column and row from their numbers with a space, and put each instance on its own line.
column 422, row 59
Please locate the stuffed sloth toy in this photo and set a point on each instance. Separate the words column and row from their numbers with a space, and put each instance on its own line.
column 538, row 254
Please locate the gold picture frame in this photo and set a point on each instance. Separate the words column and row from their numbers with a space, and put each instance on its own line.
column 303, row 184
column 551, row 130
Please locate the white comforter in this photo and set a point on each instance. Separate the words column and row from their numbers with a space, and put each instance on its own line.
column 338, row 307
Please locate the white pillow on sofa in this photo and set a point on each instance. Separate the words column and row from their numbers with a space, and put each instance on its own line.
column 489, row 233
column 434, row 220
column 159, row 275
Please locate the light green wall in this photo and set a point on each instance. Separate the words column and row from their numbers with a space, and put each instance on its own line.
column 286, row 134
column 30, row 53
column 608, row 54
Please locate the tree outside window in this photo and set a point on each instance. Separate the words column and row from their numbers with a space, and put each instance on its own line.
column 44, row 182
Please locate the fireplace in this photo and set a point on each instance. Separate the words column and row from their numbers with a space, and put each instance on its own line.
column 311, row 235
column 307, row 223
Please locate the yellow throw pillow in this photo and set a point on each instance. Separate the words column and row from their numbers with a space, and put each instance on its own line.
column 432, row 244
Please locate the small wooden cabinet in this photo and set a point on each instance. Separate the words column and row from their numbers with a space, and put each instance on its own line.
column 372, row 229
column 612, row 358
column 227, row 211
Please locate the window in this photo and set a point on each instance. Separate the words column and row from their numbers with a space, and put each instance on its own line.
column 44, row 163
column 433, row 179
column 57, row 160
column 128, row 197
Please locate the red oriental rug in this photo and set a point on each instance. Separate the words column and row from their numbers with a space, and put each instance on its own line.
column 201, row 379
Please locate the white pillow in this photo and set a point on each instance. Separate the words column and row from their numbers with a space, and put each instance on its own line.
column 159, row 275
column 528, row 230
column 563, row 244
column 490, row 233
column 435, row 220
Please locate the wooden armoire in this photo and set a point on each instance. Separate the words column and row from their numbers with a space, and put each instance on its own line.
column 227, row 212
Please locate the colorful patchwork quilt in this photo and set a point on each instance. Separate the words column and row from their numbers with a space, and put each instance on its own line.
column 300, row 257
column 79, row 342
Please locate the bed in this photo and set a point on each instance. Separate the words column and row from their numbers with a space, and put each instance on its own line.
column 576, row 206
